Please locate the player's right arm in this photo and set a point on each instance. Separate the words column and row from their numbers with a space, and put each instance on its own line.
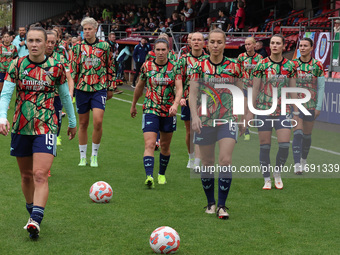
column 196, row 121
column 5, row 99
column 180, row 72
column 138, row 90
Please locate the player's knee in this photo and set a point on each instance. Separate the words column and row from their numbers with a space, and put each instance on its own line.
column 98, row 125
column 207, row 161
column 26, row 177
column 150, row 145
column 40, row 176
column 225, row 161
column 83, row 124
column 165, row 145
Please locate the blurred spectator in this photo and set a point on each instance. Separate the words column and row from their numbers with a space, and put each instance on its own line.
column 337, row 26
column 114, row 45
column 189, row 15
column 176, row 25
column 107, row 14
column 260, row 49
column 162, row 28
column 240, row 17
column 224, row 22
column 203, row 13
column 133, row 19
column 139, row 54
column 20, row 42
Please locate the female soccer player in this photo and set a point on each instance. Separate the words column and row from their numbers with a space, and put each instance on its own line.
column 159, row 108
column 273, row 72
column 248, row 61
column 310, row 75
column 207, row 73
column 50, row 47
column 184, row 68
column 34, row 129
column 92, row 69
column 150, row 57
column 8, row 52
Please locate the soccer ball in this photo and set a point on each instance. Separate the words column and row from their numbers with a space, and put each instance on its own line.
column 100, row 192
column 164, row 240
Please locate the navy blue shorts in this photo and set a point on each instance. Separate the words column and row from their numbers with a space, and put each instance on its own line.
column 88, row 100
column 267, row 123
column 307, row 117
column 185, row 112
column 2, row 77
column 26, row 145
column 154, row 123
column 210, row 135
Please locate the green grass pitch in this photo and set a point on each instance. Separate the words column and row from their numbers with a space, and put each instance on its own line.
column 303, row 218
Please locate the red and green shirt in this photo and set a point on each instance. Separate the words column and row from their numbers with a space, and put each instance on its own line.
column 92, row 67
column 160, row 87
column 184, row 68
column 61, row 59
column 36, row 85
column 219, row 100
column 7, row 54
column 59, row 48
column 248, row 63
column 273, row 75
column 307, row 77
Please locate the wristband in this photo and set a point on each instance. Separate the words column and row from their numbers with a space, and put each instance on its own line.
column 296, row 113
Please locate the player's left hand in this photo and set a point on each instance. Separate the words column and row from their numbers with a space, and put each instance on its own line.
column 133, row 111
column 4, row 128
column 109, row 95
column 71, row 132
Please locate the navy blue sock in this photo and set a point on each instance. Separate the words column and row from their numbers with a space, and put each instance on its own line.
column 163, row 163
column 247, row 131
column 306, row 143
column 282, row 154
column 148, row 165
column 224, row 182
column 37, row 213
column 208, row 186
column 158, row 136
column 29, row 208
column 296, row 146
column 265, row 159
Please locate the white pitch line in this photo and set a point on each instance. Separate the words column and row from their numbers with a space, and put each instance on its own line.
column 313, row 147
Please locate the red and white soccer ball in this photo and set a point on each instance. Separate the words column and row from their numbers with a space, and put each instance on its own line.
column 164, row 240
column 100, row 192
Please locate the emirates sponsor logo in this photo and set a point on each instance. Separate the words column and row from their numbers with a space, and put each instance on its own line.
column 35, row 85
